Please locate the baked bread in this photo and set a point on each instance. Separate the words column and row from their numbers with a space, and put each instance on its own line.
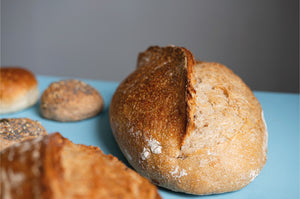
column 13, row 130
column 53, row 167
column 189, row 126
column 18, row 89
column 70, row 100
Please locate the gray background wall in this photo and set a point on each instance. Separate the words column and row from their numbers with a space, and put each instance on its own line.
column 100, row 39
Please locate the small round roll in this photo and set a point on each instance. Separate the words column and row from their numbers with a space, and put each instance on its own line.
column 14, row 130
column 70, row 100
column 18, row 89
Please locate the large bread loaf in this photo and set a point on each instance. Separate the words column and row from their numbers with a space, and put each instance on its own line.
column 189, row 126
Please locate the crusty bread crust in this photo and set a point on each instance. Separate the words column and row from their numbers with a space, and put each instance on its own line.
column 70, row 100
column 54, row 167
column 189, row 126
column 18, row 89
column 14, row 130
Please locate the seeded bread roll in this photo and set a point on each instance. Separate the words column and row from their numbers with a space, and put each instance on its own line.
column 188, row 126
column 70, row 100
column 53, row 167
column 18, row 89
column 13, row 130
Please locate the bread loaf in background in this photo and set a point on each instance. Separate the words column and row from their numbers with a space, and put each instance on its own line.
column 52, row 167
column 14, row 130
column 70, row 100
column 189, row 126
column 18, row 89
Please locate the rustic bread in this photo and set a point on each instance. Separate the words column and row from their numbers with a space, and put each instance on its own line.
column 13, row 130
column 70, row 100
column 18, row 89
column 189, row 126
column 53, row 167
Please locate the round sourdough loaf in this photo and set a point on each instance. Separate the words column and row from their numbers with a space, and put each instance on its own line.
column 189, row 126
column 18, row 89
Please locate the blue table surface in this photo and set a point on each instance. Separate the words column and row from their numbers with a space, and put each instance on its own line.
column 278, row 179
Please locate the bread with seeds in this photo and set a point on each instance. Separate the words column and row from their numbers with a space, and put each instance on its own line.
column 14, row 130
column 189, row 126
column 70, row 100
column 53, row 167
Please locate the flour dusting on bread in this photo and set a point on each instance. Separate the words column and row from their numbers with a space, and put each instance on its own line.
column 155, row 146
column 178, row 173
column 145, row 154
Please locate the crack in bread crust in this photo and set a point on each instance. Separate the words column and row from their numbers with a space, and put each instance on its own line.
column 220, row 107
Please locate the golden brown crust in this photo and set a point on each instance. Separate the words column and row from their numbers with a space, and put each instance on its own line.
column 14, row 82
column 18, row 89
column 149, row 94
column 162, row 116
column 54, row 167
column 21, row 163
column 13, row 130
column 70, row 100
